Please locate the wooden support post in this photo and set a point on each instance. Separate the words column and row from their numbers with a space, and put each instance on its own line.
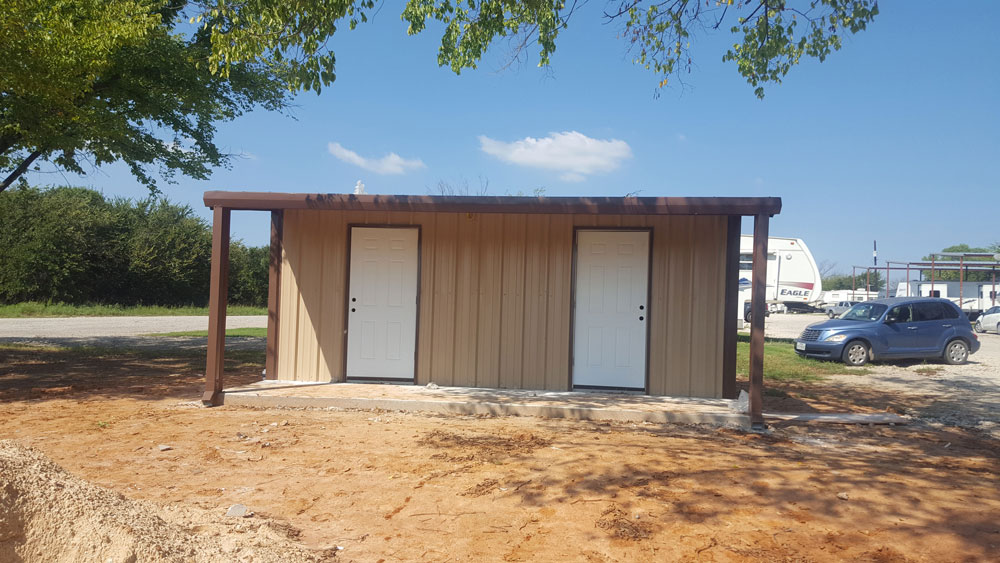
column 217, row 300
column 732, row 307
column 273, row 294
column 757, row 304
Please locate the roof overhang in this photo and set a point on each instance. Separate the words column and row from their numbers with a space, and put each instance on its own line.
column 264, row 201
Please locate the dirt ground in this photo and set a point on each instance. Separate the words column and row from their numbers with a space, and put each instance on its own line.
column 403, row 487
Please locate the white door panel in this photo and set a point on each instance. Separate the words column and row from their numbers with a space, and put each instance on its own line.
column 609, row 332
column 382, row 303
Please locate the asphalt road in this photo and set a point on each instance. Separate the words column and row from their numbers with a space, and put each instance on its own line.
column 131, row 332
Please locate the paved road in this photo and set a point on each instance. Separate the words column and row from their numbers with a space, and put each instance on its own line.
column 128, row 332
column 113, row 326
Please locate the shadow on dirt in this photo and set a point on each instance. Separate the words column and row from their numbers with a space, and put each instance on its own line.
column 910, row 478
column 37, row 374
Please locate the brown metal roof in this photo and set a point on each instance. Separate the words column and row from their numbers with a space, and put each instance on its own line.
column 495, row 204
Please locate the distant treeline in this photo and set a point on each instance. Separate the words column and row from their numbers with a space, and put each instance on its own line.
column 73, row 245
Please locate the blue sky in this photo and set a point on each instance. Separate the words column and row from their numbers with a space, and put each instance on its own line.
column 896, row 137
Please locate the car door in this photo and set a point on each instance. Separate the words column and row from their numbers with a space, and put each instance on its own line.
column 991, row 318
column 899, row 332
column 935, row 324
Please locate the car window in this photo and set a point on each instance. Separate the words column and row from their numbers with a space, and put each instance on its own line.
column 902, row 313
column 932, row 311
column 864, row 312
column 951, row 311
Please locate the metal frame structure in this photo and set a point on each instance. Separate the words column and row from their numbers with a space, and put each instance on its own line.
column 961, row 266
column 223, row 203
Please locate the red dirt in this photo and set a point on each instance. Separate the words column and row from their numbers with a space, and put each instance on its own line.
column 391, row 486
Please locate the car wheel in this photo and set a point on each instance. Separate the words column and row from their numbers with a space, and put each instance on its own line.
column 746, row 317
column 979, row 327
column 956, row 353
column 856, row 353
column 830, row 314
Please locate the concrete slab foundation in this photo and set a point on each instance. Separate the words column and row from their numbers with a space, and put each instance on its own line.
column 618, row 407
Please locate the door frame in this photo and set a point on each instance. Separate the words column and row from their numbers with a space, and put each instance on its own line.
column 347, row 301
column 572, row 304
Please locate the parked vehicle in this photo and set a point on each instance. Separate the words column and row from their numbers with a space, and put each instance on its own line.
column 990, row 319
column 856, row 295
column 893, row 328
column 792, row 275
column 746, row 312
column 839, row 308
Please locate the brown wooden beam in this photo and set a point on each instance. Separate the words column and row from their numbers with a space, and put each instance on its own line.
column 732, row 309
column 217, row 300
column 273, row 294
column 267, row 201
column 757, row 304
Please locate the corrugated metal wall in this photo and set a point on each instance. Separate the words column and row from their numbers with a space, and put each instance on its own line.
column 495, row 294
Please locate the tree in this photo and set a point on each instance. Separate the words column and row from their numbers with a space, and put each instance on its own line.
column 72, row 245
column 846, row 281
column 101, row 81
column 53, row 244
column 773, row 35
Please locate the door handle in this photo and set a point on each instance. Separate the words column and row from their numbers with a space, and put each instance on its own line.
column 911, row 328
column 946, row 326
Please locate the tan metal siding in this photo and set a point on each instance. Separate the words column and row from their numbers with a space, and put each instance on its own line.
column 490, row 297
column 512, row 302
column 495, row 294
column 557, row 319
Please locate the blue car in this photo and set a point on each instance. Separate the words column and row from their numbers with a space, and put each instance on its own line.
column 892, row 329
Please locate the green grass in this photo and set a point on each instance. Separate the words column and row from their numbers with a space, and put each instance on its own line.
column 34, row 309
column 781, row 363
column 256, row 332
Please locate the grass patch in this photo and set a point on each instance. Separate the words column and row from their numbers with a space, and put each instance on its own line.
column 781, row 363
column 929, row 370
column 255, row 332
column 34, row 309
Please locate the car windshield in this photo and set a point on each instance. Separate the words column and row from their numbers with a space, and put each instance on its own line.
column 864, row 312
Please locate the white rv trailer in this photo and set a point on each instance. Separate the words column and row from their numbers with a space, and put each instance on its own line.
column 792, row 275
column 972, row 296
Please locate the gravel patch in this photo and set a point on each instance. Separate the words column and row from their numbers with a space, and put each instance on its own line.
column 967, row 396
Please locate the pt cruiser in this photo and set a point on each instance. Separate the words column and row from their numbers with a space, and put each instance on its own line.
column 892, row 329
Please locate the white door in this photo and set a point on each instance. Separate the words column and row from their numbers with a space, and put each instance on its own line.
column 382, row 303
column 609, row 332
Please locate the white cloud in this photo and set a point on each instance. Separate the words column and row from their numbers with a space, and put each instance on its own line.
column 572, row 153
column 681, row 137
column 391, row 163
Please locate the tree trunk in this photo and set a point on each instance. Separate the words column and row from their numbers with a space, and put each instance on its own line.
column 20, row 170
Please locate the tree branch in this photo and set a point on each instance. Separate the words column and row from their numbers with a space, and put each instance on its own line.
column 20, row 170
